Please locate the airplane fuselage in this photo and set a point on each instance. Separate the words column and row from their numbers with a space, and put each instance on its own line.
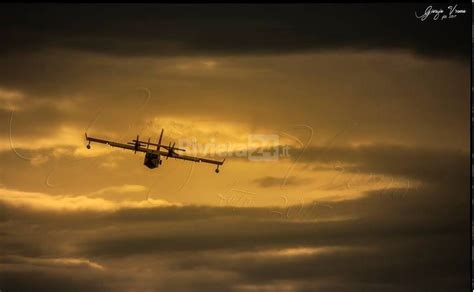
column 152, row 160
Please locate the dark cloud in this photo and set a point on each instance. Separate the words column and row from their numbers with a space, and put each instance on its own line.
column 161, row 30
column 34, row 279
column 427, row 165
column 377, row 245
column 389, row 240
column 384, row 93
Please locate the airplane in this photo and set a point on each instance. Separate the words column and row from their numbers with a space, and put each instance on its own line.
column 153, row 156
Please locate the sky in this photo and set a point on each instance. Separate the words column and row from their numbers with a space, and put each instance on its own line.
column 345, row 130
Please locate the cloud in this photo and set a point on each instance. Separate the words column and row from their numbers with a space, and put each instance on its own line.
column 418, row 163
column 9, row 99
column 28, row 278
column 379, row 242
column 53, row 262
column 119, row 192
column 164, row 30
column 274, row 92
column 270, row 181
column 45, row 202
column 62, row 137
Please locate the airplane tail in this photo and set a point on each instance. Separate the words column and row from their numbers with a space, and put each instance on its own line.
column 159, row 140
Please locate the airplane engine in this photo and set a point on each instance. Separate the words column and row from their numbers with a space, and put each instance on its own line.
column 151, row 160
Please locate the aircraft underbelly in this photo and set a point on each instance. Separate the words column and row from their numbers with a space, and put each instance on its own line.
column 151, row 160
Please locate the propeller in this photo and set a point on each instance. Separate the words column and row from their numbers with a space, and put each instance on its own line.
column 137, row 144
column 169, row 151
column 159, row 140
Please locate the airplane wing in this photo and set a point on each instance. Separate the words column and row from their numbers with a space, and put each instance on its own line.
column 160, row 145
column 169, row 153
column 196, row 159
column 115, row 144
